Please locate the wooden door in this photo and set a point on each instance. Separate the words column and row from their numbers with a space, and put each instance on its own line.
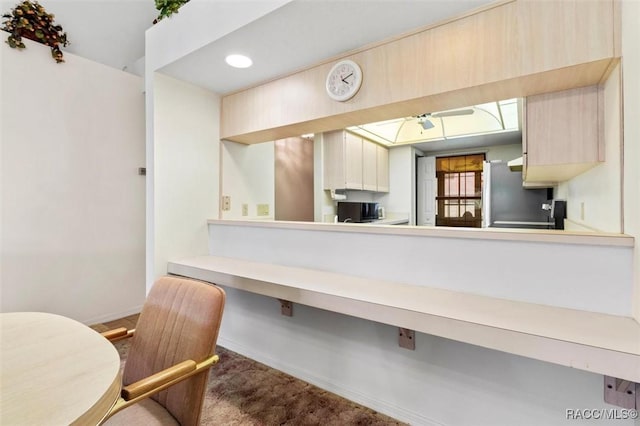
column 294, row 179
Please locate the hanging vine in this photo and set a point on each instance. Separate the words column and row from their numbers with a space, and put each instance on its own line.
column 30, row 20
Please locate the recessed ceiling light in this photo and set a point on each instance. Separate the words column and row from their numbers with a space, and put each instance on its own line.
column 239, row 61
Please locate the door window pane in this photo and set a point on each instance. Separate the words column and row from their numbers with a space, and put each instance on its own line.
column 459, row 190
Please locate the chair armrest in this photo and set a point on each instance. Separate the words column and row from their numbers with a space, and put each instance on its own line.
column 154, row 381
column 159, row 381
column 118, row 334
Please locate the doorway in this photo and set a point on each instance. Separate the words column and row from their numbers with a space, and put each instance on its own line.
column 294, row 179
column 450, row 190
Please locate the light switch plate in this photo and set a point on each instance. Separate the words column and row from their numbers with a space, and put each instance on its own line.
column 263, row 209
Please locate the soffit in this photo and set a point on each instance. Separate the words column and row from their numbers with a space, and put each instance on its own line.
column 303, row 33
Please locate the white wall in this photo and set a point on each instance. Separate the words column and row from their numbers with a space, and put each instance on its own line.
column 72, row 200
column 631, row 96
column 186, row 172
column 248, row 177
column 198, row 23
column 594, row 198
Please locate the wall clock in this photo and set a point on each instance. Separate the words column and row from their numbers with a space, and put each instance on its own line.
column 344, row 80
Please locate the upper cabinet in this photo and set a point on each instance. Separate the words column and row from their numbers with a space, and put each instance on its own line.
column 351, row 162
column 382, row 175
column 352, row 165
column 562, row 134
column 507, row 49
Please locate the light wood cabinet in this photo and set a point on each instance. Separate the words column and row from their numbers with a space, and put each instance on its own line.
column 351, row 162
column 382, row 169
column 517, row 48
column 369, row 166
column 333, row 160
column 562, row 136
column 342, row 165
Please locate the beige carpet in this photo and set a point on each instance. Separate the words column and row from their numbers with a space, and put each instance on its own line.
column 243, row 392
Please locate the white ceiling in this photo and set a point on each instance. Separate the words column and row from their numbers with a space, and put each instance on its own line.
column 305, row 32
column 297, row 35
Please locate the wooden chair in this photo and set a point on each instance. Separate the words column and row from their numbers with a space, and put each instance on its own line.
column 172, row 349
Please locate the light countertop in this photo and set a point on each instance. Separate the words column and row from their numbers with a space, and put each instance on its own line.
column 596, row 342
column 390, row 221
column 513, row 234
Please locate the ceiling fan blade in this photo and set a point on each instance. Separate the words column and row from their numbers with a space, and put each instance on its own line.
column 453, row 113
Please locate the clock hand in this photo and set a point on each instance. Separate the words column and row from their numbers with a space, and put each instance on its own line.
column 345, row 78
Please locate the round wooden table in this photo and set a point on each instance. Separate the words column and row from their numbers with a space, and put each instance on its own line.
column 54, row 371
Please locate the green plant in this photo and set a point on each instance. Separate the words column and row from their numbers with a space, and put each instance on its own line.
column 168, row 8
column 30, row 20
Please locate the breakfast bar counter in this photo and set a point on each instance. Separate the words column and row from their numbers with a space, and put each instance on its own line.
column 573, row 313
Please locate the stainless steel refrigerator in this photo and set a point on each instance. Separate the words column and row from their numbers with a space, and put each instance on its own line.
column 506, row 204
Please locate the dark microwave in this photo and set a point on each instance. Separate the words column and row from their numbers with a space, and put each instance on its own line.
column 351, row 211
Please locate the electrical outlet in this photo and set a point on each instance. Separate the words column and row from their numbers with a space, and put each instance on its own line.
column 263, row 209
column 245, row 209
column 582, row 211
column 226, row 203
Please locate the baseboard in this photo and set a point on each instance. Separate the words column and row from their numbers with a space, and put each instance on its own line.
column 112, row 316
column 378, row 405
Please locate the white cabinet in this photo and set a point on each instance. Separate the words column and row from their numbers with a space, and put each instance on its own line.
column 562, row 135
column 351, row 162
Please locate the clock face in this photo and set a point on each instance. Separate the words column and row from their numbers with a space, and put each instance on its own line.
column 344, row 80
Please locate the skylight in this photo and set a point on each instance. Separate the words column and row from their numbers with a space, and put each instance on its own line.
column 491, row 117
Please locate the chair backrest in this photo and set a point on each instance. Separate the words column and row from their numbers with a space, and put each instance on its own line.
column 180, row 320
